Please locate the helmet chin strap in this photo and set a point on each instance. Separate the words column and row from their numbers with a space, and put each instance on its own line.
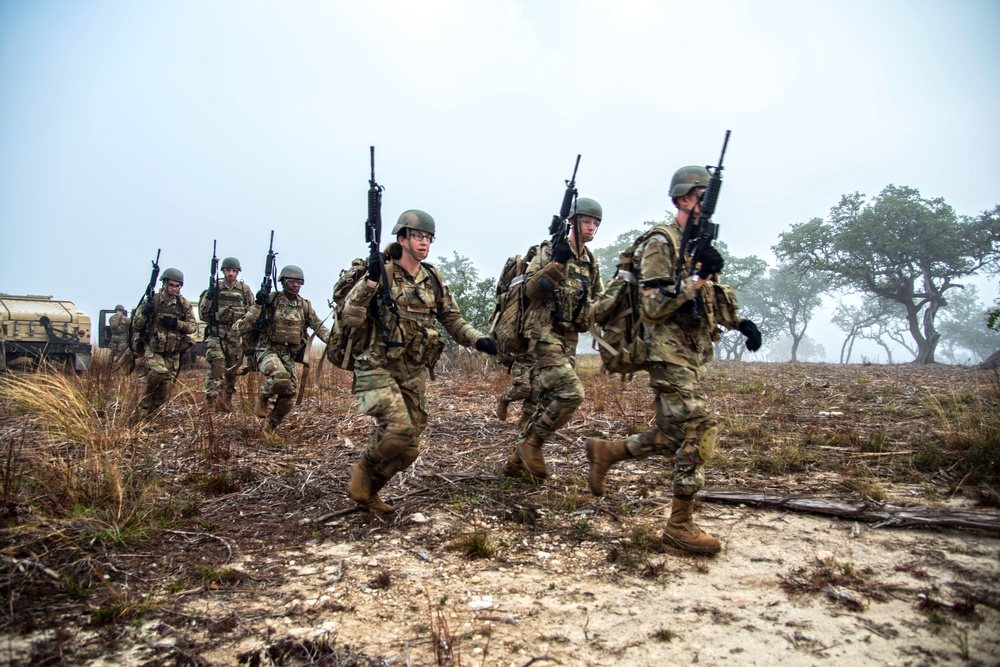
column 409, row 251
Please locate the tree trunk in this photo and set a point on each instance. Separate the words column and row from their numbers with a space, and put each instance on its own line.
column 993, row 362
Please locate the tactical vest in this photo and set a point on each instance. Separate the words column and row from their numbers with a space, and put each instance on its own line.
column 287, row 320
column 169, row 341
column 233, row 304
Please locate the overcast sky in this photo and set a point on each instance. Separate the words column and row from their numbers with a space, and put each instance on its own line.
column 131, row 126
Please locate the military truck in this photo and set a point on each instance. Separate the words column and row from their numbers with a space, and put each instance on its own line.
column 37, row 328
column 195, row 351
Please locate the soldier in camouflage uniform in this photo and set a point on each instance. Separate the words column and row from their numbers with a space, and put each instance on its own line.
column 281, row 343
column 162, row 329
column 562, row 283
column 390, row 376
column 678, row 346
column 223, row 349
column 118, row 323
column 520, row 389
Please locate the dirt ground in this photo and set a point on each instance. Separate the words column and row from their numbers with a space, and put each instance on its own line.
column 476, row 569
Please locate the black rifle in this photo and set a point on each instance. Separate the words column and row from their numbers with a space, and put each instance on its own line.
column 373, row 237
column 701, row 231
column 559, row 227
column 270, row 281
column 139, row 347
column 213, row 290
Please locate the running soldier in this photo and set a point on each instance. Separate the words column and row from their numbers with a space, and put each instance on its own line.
column 162, row 329
column 390, row 375
column 282, row 342
column 680, row 329
column 223, row 349
column 520, row 389
column 562, row 283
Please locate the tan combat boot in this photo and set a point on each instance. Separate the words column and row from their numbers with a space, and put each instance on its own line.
column 363, row 489
column 602, row 454
column 260, row 407
column 375, row 503
column 501, row 409
column 682, row 531
column 529, row 450
column 513, row 467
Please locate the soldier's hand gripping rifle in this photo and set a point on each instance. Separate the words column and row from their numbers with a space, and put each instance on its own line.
column 270, row 281
column 376, row 261
column 138, row 346
column 559, row 227
column 700, row 231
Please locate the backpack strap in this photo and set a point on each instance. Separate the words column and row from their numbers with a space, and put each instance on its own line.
column 438, row 283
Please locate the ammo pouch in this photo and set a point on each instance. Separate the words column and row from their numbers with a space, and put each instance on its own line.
column 423, row 346
column 572, row 311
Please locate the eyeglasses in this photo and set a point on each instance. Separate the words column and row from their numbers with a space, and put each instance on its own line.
column 293, row 281
column 420, row 236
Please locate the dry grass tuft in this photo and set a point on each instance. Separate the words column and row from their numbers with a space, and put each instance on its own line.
column 88, row 458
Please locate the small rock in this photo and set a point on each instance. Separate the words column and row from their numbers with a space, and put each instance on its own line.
column 417, row 517
column 481, row 602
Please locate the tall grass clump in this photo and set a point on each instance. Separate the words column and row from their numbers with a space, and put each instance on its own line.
column 967, row 433
column 83, row 454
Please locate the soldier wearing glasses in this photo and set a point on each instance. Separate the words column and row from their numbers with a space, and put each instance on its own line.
column 390, row 376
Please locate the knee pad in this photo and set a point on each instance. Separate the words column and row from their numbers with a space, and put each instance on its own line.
column 282, row 384
column 706, row 443
column 156, row 378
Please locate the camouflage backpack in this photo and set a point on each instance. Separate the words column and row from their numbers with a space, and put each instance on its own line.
column 619, row 330
column 348, row 342
column 507, row 322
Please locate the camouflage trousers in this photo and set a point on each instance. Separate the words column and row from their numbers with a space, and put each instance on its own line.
column 119, row 343
column 396, row 396
column 683, row 430
column 161, row 369
column 277, row 365
column 521, row 388
column 560, row 391
column 223, row 355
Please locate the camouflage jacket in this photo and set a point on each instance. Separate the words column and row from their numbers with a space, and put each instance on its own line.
column 118, row 323
column 158, row 338
column 233, row 304
column 672, row 334
column 561, row 297
column 288, row 322
column 421, row 300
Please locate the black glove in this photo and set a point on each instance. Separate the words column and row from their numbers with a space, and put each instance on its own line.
column 711, row 262
column 211, row 294
column 148, row 308
column 375, row 266
column 168, row 322
column 487, row 345
column 561, row 251
column 750, row 330
column 261, row 298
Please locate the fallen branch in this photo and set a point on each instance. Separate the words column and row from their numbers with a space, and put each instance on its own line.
column 229, row 549
column 880, row 515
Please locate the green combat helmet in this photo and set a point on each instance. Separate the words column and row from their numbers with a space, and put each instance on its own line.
column 231, row 263
column 586, row 206
column 414, row 219
column 119, row 307
column 688, row 178
column 172, row 274
column 293, row 272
